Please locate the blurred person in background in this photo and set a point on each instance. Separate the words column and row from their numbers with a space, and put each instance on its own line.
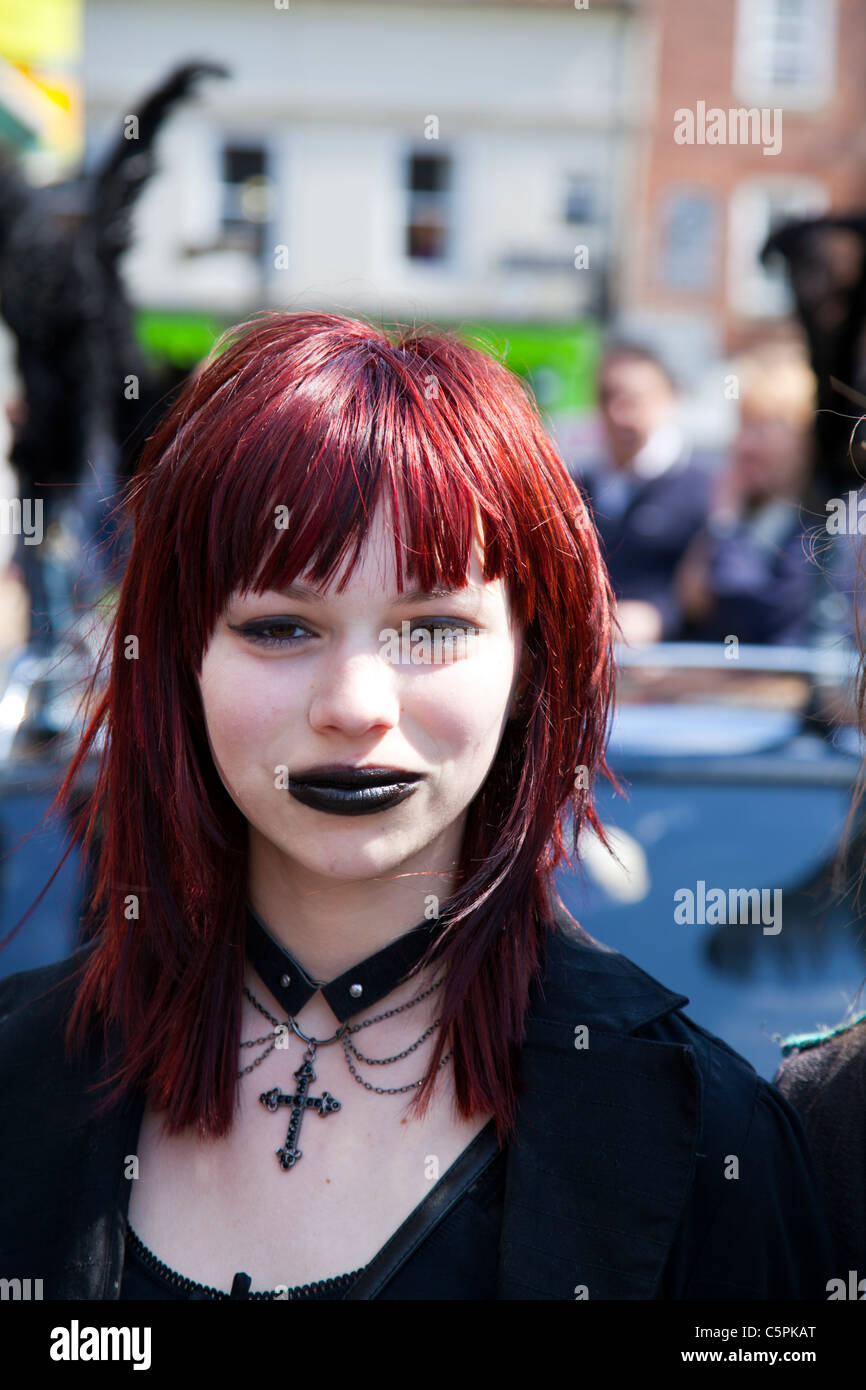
column 823, row 1072
column 823, row 1075
column 749, row 572
column 649, row 495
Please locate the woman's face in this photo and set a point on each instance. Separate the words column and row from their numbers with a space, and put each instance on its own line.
column 362, row 678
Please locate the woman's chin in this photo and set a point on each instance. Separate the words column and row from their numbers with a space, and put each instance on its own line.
column 349, row 858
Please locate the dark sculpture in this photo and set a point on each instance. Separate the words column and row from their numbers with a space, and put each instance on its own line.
column 62, row 296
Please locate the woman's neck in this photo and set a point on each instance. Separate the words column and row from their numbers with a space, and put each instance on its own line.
column 331, row 925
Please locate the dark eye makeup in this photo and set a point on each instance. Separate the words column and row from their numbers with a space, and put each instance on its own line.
column 262, row 632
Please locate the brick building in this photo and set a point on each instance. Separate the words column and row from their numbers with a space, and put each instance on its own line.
column 708, row 190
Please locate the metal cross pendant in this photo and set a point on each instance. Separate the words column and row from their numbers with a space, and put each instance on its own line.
column 300, row 1101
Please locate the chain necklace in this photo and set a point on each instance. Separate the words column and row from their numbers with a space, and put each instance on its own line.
column 326, row 1104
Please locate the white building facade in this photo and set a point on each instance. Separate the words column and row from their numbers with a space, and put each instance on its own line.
column 409, row 160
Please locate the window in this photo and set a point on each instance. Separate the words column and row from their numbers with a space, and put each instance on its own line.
column 688, row 239
column 758, row 208
column 429, row 199
column 581, row 199
column 246, row 198
column 785, row 51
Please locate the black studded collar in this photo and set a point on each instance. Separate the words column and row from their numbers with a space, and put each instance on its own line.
column 356, row 989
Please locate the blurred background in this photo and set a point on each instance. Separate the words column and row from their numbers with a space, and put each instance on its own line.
column 655, row 211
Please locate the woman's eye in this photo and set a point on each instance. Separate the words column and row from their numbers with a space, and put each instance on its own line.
column 434, row 638
column 446, row 631
column 440, row 640
column 273, row 633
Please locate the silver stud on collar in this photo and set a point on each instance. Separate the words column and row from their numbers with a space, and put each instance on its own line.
column 356, row 991
column 286, row 981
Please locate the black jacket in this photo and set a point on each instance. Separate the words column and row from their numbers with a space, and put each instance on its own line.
column 644, row 544
column 616, row 1181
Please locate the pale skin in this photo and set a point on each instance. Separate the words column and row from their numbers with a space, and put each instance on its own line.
column 335, row 890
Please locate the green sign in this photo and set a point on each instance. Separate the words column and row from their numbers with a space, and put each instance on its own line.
column 558, row 360
column 183, row 339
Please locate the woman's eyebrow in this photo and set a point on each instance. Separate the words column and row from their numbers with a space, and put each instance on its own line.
column 303, row 591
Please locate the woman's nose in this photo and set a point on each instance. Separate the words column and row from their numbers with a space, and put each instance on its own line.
column 355, row 692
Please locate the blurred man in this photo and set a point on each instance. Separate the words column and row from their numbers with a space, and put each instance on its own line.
column 649, row 496
column 749, row 572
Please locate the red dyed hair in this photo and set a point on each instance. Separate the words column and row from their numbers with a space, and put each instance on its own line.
column 327, row 416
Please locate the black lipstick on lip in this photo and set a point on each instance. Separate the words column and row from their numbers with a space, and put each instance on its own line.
column 353, row 791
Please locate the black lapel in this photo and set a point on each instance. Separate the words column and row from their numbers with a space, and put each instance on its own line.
column 597, row 1175
column 94, row 1264
column 599, row 1171
column 68, row 1203
column 428, row 1214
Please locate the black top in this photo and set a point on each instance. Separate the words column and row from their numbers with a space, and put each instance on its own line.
column 617, row 1170
column 454, row 1245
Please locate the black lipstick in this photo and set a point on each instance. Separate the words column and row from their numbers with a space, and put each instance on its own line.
column 353, row 791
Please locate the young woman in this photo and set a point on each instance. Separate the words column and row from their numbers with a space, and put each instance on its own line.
column 331, row 1035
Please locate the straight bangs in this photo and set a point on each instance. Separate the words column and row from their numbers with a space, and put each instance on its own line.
column 271, row 465
column 280, row 469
